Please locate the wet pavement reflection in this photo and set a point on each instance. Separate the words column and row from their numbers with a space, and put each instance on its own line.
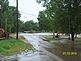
column 55, row 50
column 39, row 54
column 67, row 50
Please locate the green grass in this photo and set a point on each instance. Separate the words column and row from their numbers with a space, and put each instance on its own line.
column 51, row 38
column 13, row 46
column 60, row 47
column 77, row 39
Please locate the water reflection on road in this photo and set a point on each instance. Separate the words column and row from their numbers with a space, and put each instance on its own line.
column 40, row 54
column 72, row 50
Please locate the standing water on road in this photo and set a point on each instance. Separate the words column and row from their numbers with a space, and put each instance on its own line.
column 39, row 54
column 47, row 51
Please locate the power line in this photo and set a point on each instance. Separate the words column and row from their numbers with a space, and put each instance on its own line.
column 12, row 2
column 28, row 13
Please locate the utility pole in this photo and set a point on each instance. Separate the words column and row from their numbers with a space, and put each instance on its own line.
column 17, row 25
column 0, row 15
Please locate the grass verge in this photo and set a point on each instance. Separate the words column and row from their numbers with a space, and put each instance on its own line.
column 49, row 38
column 65, row 49
column 13, row 46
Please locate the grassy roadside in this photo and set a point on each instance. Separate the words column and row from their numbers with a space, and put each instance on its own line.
column 49, row 38
column 13, row 46
column 65, row 50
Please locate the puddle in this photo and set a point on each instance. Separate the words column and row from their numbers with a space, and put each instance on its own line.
column 40, row 54
column 65, row 50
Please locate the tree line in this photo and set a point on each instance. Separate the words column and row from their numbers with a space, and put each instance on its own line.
column 8, row 19
column 7, row 16
column 61, row 16
column 28, row 26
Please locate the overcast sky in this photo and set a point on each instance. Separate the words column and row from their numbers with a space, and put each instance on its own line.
column 29, row 9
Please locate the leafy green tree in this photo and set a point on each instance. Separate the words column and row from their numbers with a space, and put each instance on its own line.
column 31, row 26
column 21, row 26
column 8, row 20
column 44, row 21
column 8, row 16
column 65, row 15
column 4, row 7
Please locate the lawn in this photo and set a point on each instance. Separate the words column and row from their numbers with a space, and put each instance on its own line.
column 65, row 50
column 51, row 38
column 13, row 46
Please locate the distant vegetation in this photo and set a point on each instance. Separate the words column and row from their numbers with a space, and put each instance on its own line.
column 8, row 19
column 8, row 16
column 61, row 16
column 28, row 26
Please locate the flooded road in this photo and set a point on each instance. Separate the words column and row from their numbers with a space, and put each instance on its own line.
column 54, row 50
column 39, row 54
column 66, row 49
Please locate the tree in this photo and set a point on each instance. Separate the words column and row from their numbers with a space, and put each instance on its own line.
column 4, row 7
column 11, row 18
column 31, row 26
column 8, row 20
column 21, row 26
column 8, row 16
column 44, row 21
column 65, row 15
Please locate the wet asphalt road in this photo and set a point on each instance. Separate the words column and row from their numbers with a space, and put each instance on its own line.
column 40, row 53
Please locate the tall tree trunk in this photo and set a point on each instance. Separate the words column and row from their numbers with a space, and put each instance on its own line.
column 72, row 36
column 76, row 35
column 69, row 36
column 53, row 34
column 6, row 24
